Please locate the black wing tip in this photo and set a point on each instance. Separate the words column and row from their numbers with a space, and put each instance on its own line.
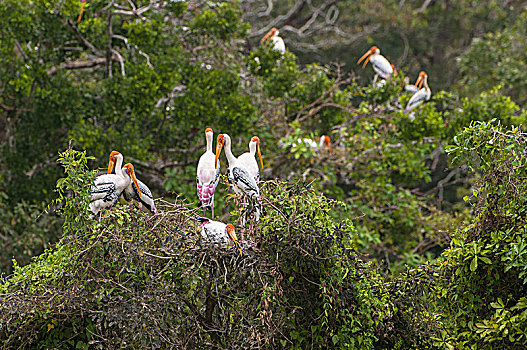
column 203, row 220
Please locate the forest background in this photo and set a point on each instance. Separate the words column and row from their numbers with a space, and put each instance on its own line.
column 439, row 237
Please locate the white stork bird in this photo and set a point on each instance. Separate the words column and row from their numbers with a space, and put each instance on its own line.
column 276, row 41
column 238, row 174
column 324, row 143
column 108, row 187
column 142, row 198
column 422, row 95
column 218, row 232
column 380, row 64
column 248, row 159
column 208, row 174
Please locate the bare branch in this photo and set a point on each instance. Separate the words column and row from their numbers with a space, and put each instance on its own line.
column 83, row 39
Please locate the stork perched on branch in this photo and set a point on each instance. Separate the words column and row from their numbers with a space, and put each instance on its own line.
column 380, row 64
column 108, row 187
column 423, row 94
column 218, row 232
column 238, row 175
column 248, row 160
column 140, row 195
column 276, row 41
column 208, row 175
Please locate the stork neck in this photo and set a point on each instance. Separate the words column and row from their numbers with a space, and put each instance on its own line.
column 425, row 83
column 252, row 147
column 228, row 152
column 209, row 137
column 118, row 165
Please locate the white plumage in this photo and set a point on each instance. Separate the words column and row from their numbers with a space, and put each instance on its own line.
column 145, row 200
column 423, row 94
column 238, row 174
column 380, row 64
column 248, row 159
column 324, row 143
column 218, row 232
column 108, row 187
column 208, row 174
column 276, row 41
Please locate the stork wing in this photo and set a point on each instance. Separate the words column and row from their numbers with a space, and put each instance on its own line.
column 206, row 190
column 106, row 191
column 417, row 98
column 382, row 67
column 245, row 183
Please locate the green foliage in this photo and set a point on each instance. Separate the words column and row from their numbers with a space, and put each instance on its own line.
column 25, row 231
column 498, row 58
column 136, row 281
column 482, row 281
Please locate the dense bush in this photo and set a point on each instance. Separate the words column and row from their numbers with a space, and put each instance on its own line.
column 136, row 281
column 482, row 282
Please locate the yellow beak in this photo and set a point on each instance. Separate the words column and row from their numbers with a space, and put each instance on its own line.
column 259, row 154
column 111, row 164
column 134, row 179
column 367, row 55
column 219, row 146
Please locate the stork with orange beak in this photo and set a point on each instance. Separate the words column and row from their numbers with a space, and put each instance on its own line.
column 423, row 94
column 248, row 160
column 108, row 187
column 380, row 64
column 277, row 42
column 323, row 144
column 208, row 175
column 218, row 232
column 238, row 174
column 141, row 196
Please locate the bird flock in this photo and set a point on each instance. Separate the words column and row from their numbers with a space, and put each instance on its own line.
column 243, row 172
column 243, row 176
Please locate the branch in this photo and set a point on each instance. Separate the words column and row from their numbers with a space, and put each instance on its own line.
column 83, row 39
column 293, row 11
column 78, row 64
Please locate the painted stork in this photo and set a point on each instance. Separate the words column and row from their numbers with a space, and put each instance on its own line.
column 277, row 42
column 422, row 95
column 108, row 187
column 208, row 175
column 248, row 159
column 238, row 174
column 324, row 143
column 142, row 198
column 380, row 64
column 218, row 232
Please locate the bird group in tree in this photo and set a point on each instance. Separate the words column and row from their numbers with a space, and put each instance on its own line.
column 385, row 70
column 242, row 172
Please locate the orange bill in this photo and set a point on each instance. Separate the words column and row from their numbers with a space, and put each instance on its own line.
column 219, row 146
column 367, row 56
column 111, row 164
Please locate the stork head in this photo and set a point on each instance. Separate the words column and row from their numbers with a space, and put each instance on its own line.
column 111, row 163
column 257, row 140
column 232, row 236
column 129, row 169
column 374, row 50
column 208, row 130
column 220, row 141
column 326, row 140
column 269, row 34
column 420, row 79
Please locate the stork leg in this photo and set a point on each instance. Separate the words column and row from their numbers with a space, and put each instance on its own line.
column 212, row 206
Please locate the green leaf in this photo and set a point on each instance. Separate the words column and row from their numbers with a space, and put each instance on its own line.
column 474, row 264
